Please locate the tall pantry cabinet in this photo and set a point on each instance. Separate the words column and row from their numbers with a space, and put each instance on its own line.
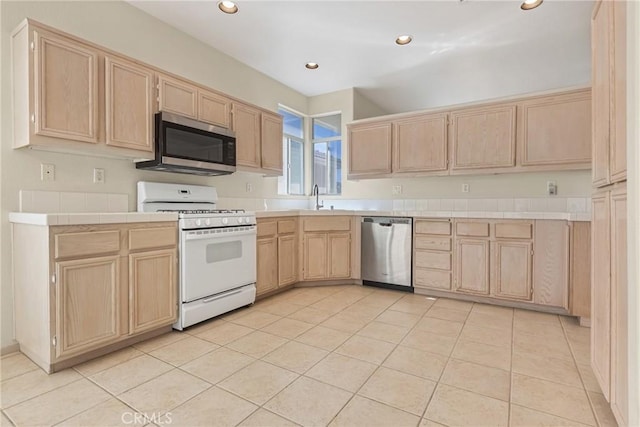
column 609, row 323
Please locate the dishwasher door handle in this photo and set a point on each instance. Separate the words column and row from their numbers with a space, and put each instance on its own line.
column 385, row 224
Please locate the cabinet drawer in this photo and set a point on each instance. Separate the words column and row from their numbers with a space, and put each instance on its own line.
column 87, row 243
column 147, row 238
column 432, row 279
column 477, row 229
column 433, row 243
column 331, row 223
column 267, row 228
column 514, row 230
column 438, row 260
column 286, row 226
column 433, row 227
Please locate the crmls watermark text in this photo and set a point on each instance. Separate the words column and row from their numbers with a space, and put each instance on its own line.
column 142, row 418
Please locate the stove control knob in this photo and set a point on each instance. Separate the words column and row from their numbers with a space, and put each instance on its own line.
column 198, row 223
column 207, row 221
column 225, row 221
column 239, row 220
column 247, row 219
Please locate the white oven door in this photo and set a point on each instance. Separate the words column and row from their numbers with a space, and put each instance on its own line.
column 216, row 260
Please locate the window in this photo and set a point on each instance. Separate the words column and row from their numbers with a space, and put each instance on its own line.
column 292, row 180
column 327, row 154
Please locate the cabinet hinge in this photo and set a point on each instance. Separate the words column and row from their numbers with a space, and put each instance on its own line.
column 33, row 118
column 32, row 45
column 531, row 251
column 53, row 279
column 54, row 341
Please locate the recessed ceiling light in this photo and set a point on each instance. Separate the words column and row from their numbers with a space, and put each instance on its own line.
column 228, row 6
column 530, row 4
column 311, row 65
column 402, row 40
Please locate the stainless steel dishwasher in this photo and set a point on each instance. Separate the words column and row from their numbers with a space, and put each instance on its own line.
column 386, row 252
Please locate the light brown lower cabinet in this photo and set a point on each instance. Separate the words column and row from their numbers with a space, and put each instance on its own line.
column 518, row 261
column 609, row 316
column 511, row 270
column 277, row 254
column 326, row 247
column 82, row 289
column 472, row 266
column 88, row 311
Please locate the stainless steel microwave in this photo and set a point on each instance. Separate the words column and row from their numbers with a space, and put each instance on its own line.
column 184, row 145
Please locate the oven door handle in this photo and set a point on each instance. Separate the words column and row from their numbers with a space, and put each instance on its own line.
column 217, row 297
column 192, row 235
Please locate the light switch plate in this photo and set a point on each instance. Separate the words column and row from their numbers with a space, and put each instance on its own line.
column 465, row 188
column 552, row 188
column 397, row 189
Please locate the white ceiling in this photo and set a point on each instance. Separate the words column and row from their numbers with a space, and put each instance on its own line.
column 462, row 51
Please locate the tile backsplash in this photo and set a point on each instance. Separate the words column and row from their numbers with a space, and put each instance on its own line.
column 71, row 202
column 539, row 204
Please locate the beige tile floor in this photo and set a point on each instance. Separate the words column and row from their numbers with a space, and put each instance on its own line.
column 339, row 356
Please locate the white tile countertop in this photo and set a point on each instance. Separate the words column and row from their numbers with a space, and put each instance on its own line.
column 89, row 218
column 566, row 216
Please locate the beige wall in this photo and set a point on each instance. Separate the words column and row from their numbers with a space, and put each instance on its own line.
column 123, row 28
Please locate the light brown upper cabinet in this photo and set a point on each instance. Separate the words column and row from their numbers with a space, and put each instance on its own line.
column 608, row 32
column 271, row 142
column 618, row 90
column 483, row 137
column 246, row 124
column 65, row 79
column 420, row 143
column 369, row 149
column 178, row 97
column 258, row 139
column 214, row 108
column 555, row 130
column 128, row 104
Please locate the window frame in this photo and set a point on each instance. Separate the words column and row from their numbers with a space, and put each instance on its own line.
column 327, row 140
column 286, row 146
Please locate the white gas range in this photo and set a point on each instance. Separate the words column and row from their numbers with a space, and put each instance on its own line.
column 217, row 249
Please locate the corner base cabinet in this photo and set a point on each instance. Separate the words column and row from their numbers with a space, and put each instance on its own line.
column 80, row 290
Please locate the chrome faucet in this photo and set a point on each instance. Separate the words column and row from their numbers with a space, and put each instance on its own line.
column 316, row 193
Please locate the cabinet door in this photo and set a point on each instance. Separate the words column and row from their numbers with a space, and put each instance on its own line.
column 551, row 263
column 601, row 289
column 511, row 270
column 472, row 266
column 601, row 86
column 88, row 309
column 556, row 130
column 128, row 105
column 287, row 255
column 153, row 295
column 66, row 89
column 177, row 97
column 619, row 318
column 246, row 124
column 271, row 142
column 214, row 108
column 315, row 256
column 420, row 144
column 267, row 269
column 618, row 148
column 370, row 149
column 339, row 245
column 484, row 138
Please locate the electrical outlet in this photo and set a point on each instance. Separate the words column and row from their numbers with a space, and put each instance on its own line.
column 552, row 188
column 248, row 187
column 397, row 189
column 98, row 176
column 47, row 172
column 465, row 188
